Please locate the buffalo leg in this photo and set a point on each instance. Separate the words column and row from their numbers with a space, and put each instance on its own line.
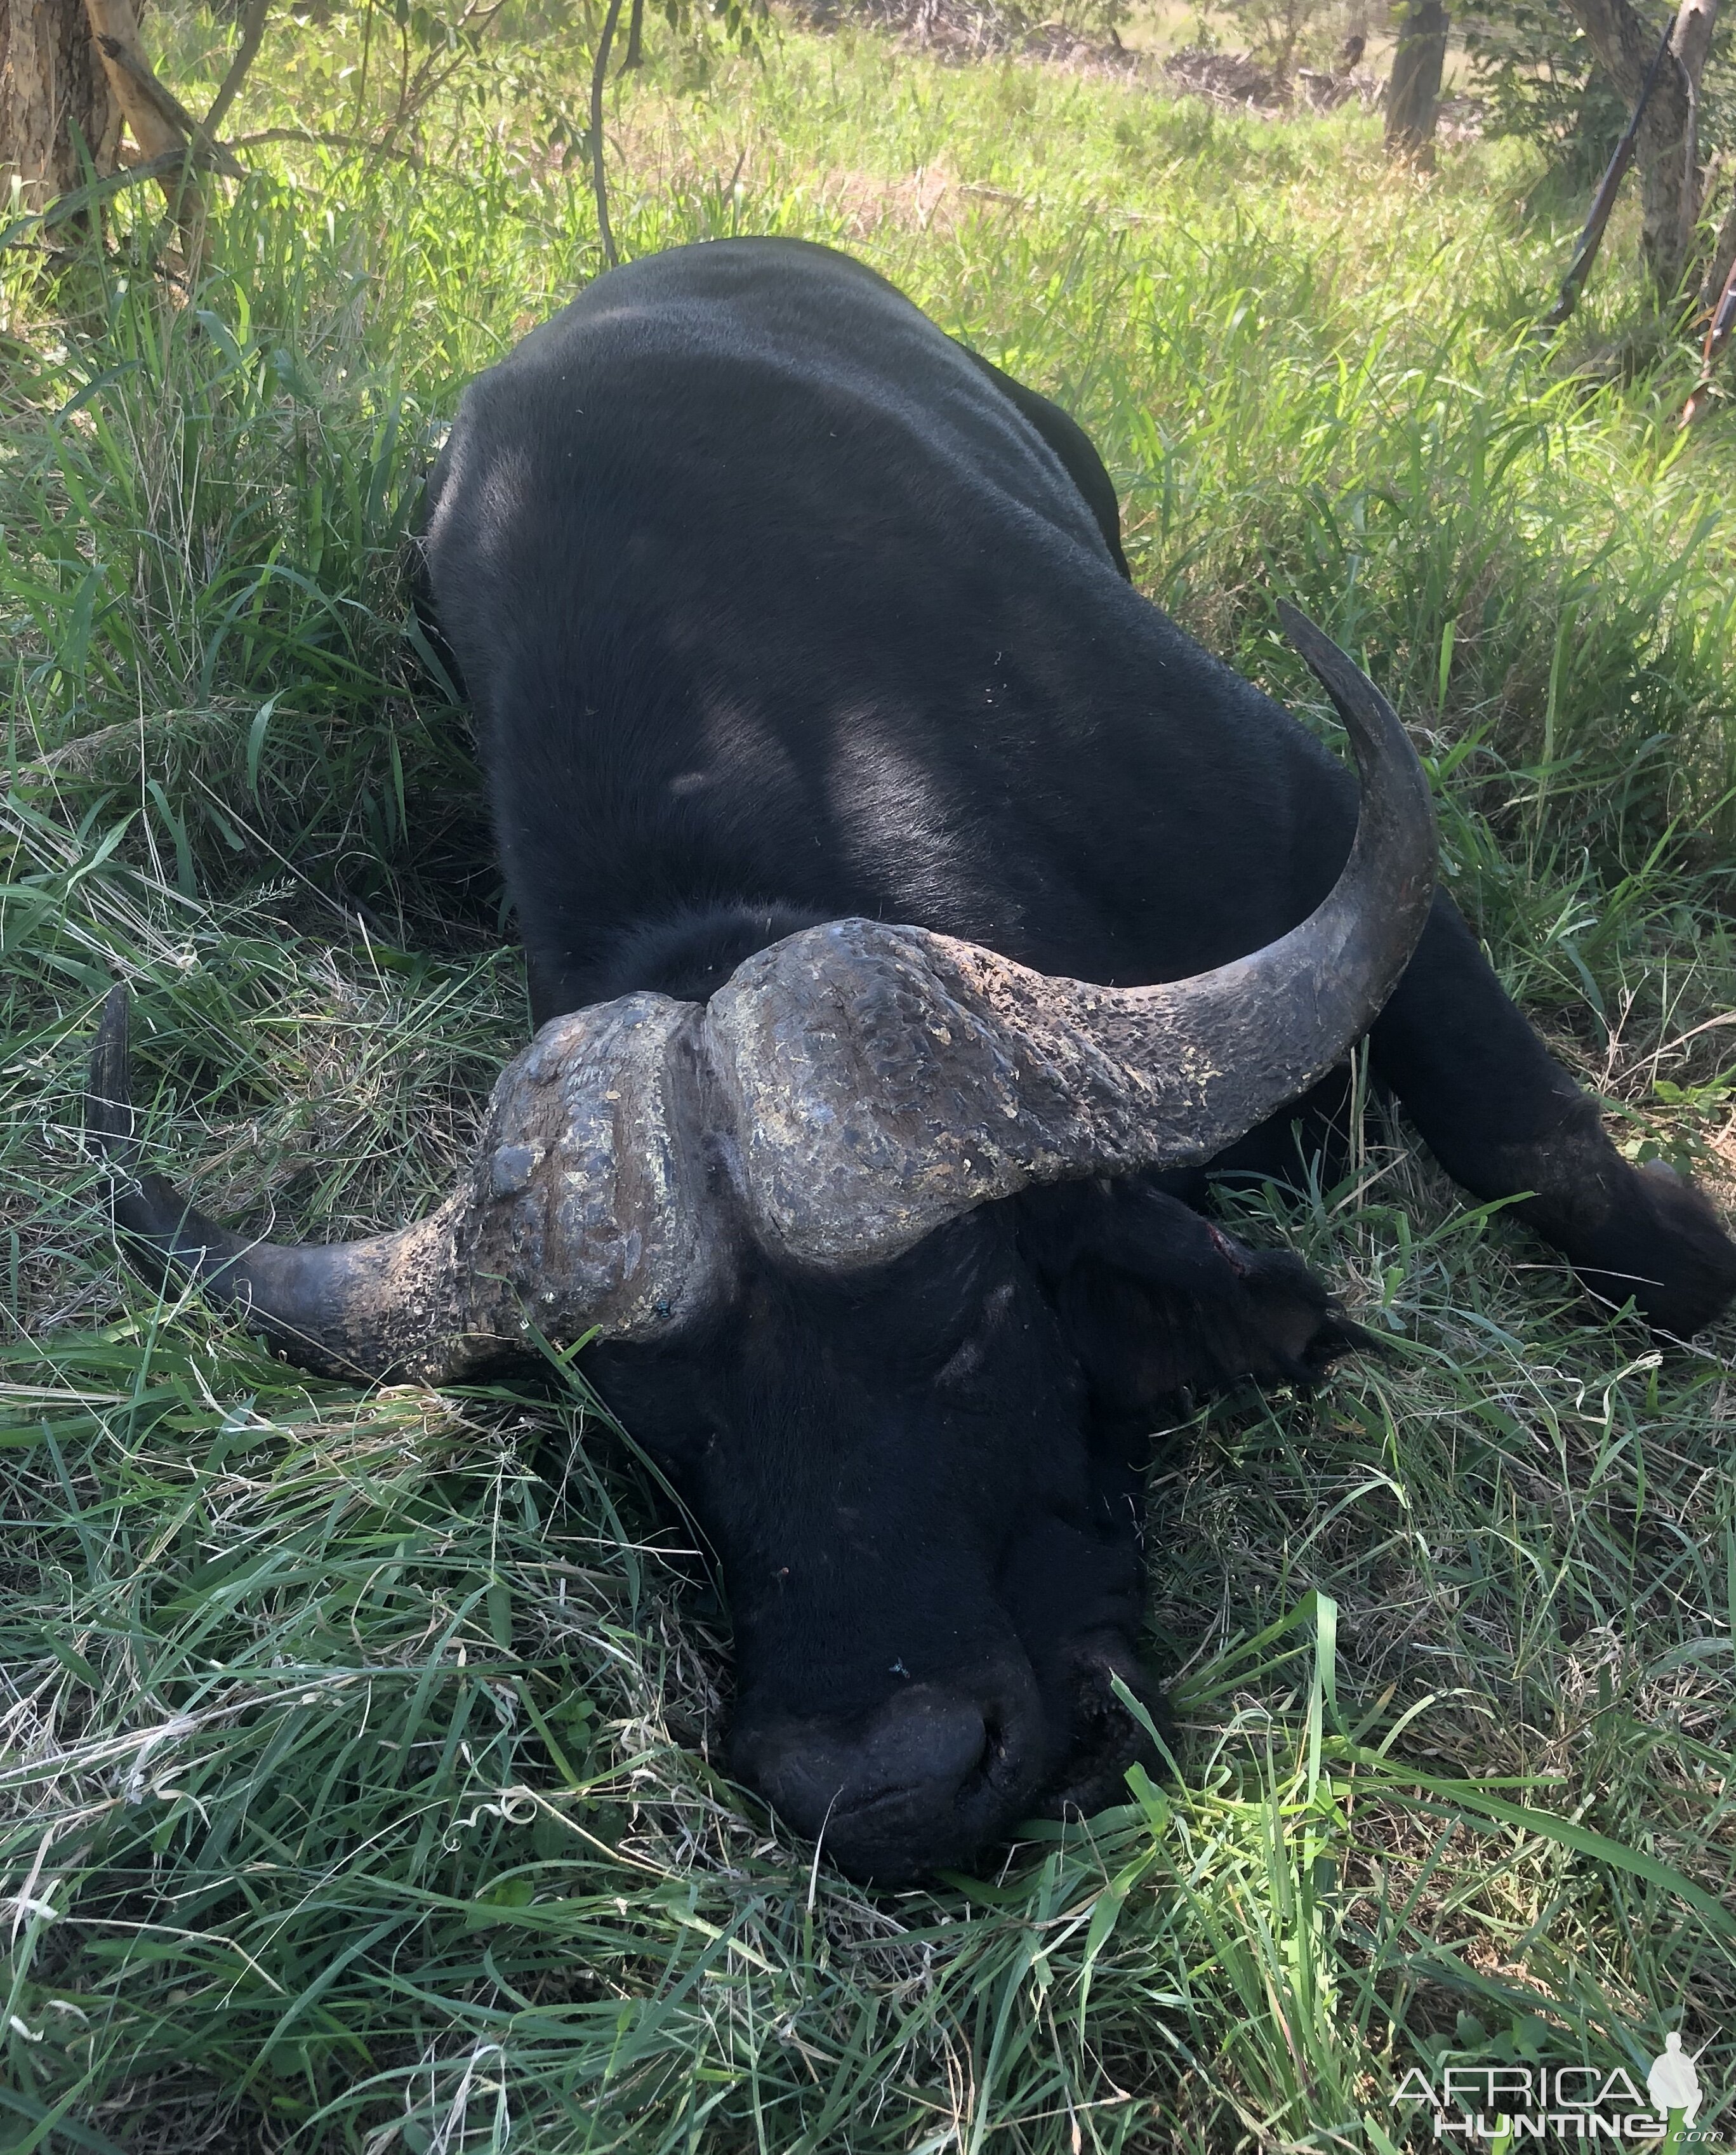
column 1502, row 1116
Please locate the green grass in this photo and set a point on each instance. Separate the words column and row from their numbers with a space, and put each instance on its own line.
column 358, row 1774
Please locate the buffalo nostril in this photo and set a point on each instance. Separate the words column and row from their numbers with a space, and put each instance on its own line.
column 994, row 1743
column 921, row 1780
column 923, row 1745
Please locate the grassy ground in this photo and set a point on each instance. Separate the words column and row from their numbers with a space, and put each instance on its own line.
column 357, row 1774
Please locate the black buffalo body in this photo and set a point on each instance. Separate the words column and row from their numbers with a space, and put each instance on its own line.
column 775, row 606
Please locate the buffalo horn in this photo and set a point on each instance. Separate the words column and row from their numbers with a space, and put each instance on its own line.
column 883, row 1080
column 847, row 1091
column 584, row 1207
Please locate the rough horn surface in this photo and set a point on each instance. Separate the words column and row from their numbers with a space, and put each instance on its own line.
column 587, row 1204
column 883, row 1080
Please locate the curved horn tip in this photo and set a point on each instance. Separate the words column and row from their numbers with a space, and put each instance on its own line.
column 1377, row 733
column 1336, row 671
column 108, row 1091
column 1301, row 628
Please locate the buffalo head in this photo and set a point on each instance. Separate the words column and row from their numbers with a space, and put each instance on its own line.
column 878, row 1273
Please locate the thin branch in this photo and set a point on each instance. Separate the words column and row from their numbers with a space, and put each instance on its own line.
column 168, row 107
column 1584, row 255
column 1719, row 332
column 427, row 82
column 253, row 29
column 599, row 177
column 403, row 76
column 423, row 86
column 364, row 143
column 1724, row 260
column 367, row 51
column 163, row 100
column 636, row 37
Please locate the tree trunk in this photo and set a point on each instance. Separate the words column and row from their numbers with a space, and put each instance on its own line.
column 1666, row 149
column 114, row 28
column 54, row 92
column 1413, row 96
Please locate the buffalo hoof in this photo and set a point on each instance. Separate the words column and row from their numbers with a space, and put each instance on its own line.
column 1675, row 1261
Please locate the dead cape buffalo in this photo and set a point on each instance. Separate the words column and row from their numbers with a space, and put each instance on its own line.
column 830, row 754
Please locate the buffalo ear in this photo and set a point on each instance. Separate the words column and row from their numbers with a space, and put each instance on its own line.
column 1157, row 1302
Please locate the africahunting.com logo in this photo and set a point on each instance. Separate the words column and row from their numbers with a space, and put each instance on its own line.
column 1500, row 2108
